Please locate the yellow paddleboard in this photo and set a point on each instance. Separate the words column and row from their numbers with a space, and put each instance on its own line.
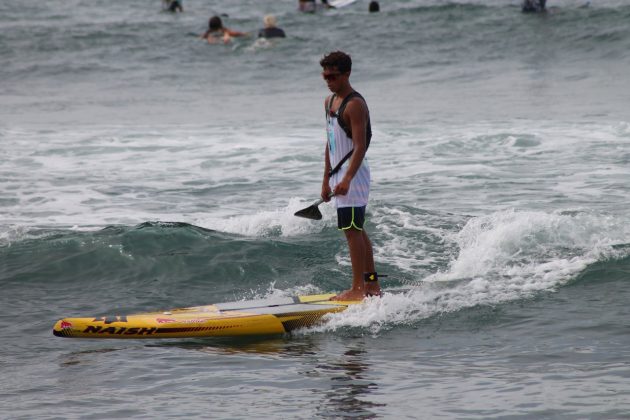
column 252, row 317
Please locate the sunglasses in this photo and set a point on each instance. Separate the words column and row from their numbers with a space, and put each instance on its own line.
column 331, row 76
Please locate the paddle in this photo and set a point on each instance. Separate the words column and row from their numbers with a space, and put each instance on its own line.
column 311, row 212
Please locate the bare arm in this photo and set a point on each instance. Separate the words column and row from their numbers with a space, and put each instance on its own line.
column 325, row 184
column 235, row 33
column 356, row 114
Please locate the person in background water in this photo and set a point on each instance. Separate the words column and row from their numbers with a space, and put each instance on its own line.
column 173, row 5
column 374, row 7
column 349, row 132
column 217, row 32
column 530, row 6
column 309, row 6
column 270, row 30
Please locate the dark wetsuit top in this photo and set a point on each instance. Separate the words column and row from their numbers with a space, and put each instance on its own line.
column 271, row 33
column 175, row 5
column 533, row 5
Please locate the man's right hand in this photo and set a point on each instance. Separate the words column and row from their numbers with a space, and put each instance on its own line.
column 326, row 192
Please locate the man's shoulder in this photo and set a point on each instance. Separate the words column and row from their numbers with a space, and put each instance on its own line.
column 356, row 96
column 356, row 103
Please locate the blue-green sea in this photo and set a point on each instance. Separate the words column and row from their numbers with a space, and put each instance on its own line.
column 143, row 169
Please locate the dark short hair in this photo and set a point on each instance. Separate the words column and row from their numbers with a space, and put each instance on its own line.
column 215, row 23
column 374, row 6
column 338, row 59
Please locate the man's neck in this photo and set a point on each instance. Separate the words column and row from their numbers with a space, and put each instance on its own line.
column 345, row 91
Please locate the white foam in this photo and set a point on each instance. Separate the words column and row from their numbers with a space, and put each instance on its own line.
column 298, row 290
column 623, row 129
column 507, row 241
column 9, row 234
column 403, row 234
column 504, row 256
column 98, row 176
column 278, row 222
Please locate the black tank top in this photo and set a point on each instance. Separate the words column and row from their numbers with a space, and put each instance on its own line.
column 339, row 114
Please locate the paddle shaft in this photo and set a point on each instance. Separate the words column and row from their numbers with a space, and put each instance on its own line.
column 321, row 200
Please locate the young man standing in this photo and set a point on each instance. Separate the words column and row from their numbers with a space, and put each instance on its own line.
column 346, row 172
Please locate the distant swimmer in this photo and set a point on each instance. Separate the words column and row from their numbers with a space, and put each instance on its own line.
column 217, row 32
column 310, row 6
column 346, row 171
column 173, row 5
column 374, row 6
column 533, row 6
column 270, row 30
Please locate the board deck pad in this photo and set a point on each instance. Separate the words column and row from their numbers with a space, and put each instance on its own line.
column 256, row 303
column 340, row 3
column 251, row 317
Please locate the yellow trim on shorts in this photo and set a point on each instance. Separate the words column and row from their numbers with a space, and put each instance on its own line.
column 352, row 225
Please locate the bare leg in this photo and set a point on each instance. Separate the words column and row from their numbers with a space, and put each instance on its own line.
column 362, row 259
column 357, row 249
column 372, row 287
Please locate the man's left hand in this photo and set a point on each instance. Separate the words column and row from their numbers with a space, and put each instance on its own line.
column 343, row 187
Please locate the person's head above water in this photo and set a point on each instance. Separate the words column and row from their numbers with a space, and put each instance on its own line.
column 215, row 24
column 269, row 21
column 374, row 6
column 337, row 59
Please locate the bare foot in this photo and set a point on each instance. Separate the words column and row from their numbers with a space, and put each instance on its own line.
column 350, row 295
column 373, row 290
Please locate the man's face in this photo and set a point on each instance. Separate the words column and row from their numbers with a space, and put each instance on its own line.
column 334, row 78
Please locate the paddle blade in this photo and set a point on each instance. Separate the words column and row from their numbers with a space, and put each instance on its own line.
column 311, row 212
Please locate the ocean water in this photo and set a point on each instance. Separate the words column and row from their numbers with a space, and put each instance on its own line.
column 143, row 169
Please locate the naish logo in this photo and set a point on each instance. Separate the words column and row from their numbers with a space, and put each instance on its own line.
column 65, row 325
column 119, row 330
